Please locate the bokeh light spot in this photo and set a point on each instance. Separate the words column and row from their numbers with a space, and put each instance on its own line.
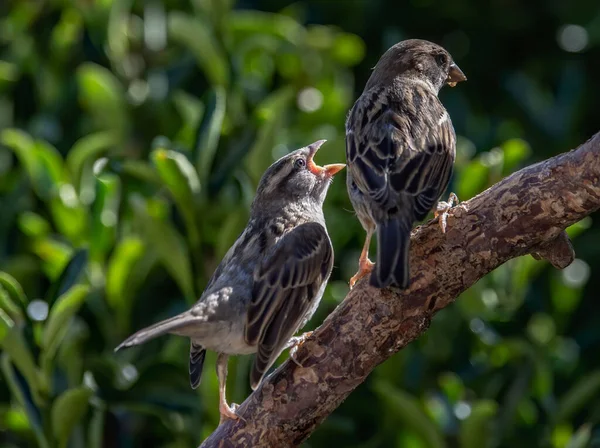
column 572, row 38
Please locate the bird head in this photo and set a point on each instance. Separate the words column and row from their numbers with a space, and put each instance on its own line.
column 297, row 178
column 417, row 59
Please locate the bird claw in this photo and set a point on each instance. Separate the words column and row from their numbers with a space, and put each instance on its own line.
column 442, row 210
column 293, row 345
column 228, row 412
column 365, row 266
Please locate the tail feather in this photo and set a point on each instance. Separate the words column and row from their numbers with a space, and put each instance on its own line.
column 153, row 331
column 393, row 243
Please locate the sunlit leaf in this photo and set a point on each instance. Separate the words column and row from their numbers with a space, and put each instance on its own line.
column 119, row 288
column 197, row 36
column 67, row 411
column 14, row 290
column 169, row 245
column 257, row 22
column 271, row 115
column 515, row 152
column 60, row 315
column 180, row 178
column 105, row 215
column 472, row 180
column 70, row 275
column 87, row 148
column 209, row 131
column 33, row 225
column 26, row 151
column 103, row 96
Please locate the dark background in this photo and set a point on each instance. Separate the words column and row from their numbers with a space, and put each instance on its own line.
column 132, row 137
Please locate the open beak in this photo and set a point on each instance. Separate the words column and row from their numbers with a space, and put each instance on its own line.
column 455, row 75
column 327, row 170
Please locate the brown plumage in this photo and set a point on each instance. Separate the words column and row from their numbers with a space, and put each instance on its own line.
column 400, row 148
column 271, row 280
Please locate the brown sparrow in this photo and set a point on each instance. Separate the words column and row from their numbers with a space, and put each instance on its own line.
column 400, row 148
column 271, row 280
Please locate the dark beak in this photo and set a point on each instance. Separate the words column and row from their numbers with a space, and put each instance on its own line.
column 328, row 170
column 455, row 75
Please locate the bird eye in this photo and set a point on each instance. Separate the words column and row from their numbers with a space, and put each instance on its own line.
column 441, row 59
column 300, row 163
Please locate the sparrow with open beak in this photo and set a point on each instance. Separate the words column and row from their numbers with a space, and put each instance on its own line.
column 271, row 280
column 400, row 148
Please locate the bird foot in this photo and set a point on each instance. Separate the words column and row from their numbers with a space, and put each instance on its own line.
column 365, row 266
column 228, row 412
column 293, row 345
column 442, row 210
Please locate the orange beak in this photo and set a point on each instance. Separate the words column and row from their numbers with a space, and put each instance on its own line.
column 327, row 170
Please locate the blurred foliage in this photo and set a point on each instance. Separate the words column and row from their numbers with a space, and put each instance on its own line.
column 132, row 137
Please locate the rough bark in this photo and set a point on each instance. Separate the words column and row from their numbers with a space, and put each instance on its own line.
column 526, row 213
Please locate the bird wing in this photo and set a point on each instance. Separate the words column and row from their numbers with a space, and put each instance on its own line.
column 286, row 283
column 400, row 147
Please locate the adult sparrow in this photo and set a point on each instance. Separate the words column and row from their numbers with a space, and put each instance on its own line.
column 400, row 148
column 271, row 280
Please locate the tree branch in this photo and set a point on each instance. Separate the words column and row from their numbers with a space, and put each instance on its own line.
column 526, row 213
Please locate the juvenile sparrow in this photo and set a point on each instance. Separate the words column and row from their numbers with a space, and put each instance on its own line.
column 400, row 148
column 271, row 280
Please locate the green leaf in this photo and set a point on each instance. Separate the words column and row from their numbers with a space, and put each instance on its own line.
column 581, row 438
column 6, row 322
column 191, row 109
column 579, row 227
column 105, row 216
column 271, row 115
column 209, row 132
column 582, row 393
column 33, row 225
column 67, row 411
column 69, row 216
column 10, row 311
column 54, row 254
column 197, row 36
column 16, row 347
column 69, row 276
column 180, row 178
column 18, row 391
column 408, row 411
column 89, row 148
column 349, row 49
column 168, row 243
column 257, row 22
column 60, row 315
column 475, row 431
column 119, row 292
column 14, row 289
column 103, row 96
column 515, row 151
column 26, row 151
column 472, row 180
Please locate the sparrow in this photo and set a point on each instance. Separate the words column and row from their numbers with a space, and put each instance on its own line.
column 270, row 282
column 400, row 149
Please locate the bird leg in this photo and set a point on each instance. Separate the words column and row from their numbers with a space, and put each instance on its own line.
column 225, row 410
column 293, row 345
column 442, row 210
column 365, row 266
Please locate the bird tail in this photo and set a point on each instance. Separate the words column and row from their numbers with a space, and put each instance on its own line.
column 158, row 329
column 393, row 242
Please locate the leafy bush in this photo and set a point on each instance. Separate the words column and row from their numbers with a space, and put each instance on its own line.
column 133, row 136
